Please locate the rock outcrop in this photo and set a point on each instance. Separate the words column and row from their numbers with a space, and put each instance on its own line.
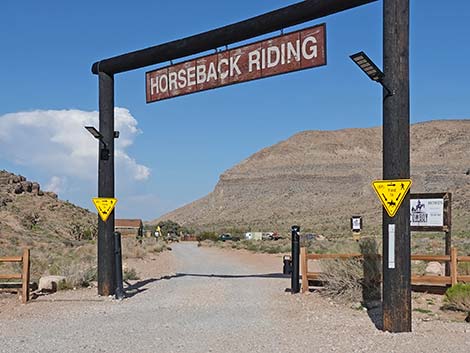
column 18, row 184
column 29, row 215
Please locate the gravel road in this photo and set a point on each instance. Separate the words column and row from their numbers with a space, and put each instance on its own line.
column 214, row 301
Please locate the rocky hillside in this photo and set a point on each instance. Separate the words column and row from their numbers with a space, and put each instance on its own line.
column 320, row 178
column 38, row 219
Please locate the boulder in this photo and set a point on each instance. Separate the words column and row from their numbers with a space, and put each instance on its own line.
column 18, row 189
column 14, row 179
column 435, row 268
column 51, row 194
column 35, row 188
column 51, row 283
column 27, row 186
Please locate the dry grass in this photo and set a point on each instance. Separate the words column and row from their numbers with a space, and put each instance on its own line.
column 76, row 260
column 133, row 248
column 342, row 279
column 355, row 279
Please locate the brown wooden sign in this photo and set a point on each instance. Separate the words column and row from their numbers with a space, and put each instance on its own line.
column 290, row 52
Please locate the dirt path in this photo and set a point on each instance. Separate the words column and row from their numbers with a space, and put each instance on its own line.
column 212, row 300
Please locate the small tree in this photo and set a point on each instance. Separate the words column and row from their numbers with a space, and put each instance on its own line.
column 169, row 227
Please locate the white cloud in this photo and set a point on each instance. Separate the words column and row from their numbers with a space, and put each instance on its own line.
column 55, row 143
column 56, row 184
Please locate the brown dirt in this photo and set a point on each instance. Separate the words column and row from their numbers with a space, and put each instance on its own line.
column 217, row 290
column 153, row 266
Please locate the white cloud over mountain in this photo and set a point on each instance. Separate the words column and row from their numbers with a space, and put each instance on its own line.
column 55, row 144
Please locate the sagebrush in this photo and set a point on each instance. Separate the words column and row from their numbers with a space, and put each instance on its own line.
column 457, row 297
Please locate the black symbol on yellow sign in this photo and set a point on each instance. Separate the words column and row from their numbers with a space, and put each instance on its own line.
column 104, row 206
column 391, row 193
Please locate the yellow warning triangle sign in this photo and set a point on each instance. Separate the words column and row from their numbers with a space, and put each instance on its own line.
column 391, row 193
column 104, row 205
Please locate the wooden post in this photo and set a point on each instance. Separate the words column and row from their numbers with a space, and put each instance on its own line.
column 453, row 265
column 448, row 221
column 396, row 165
column 106, row 261
column 304, row 268
column 25, row 277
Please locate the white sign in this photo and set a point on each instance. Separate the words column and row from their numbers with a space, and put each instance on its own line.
column 356, row 224
column 391, row 246
column 427, row 212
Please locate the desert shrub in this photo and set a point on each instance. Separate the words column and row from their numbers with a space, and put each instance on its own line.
column 130, row 274
column 90, row 275
column 139, row 248
column 89, row 234
column 64, row 285
column 252, row 245
column 160, row 247
column 83, row 276
column 355, row 279
column 207, row 236
column 274, row 250
column 457, row 297
column 342, row 279
column 30, row 220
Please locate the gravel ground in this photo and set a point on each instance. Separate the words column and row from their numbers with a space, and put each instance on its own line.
column 211, row 300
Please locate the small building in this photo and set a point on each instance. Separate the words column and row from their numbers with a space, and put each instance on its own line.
column 129, row 227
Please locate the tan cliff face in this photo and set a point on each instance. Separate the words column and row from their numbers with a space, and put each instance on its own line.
column 320, row 178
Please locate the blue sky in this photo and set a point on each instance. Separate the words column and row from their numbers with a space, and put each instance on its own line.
column 172, row 152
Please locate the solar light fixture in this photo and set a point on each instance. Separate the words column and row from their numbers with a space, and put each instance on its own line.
column 370, row 69
column 104, row 151
column 92, row 130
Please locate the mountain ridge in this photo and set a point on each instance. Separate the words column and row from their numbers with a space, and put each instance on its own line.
column 321, row 178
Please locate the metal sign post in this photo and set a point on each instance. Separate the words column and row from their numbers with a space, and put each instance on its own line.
column 295, row 275
column 396, row 165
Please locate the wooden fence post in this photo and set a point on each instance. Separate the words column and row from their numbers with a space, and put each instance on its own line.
column 453, row 265
column 25, row 277
column 304, row 268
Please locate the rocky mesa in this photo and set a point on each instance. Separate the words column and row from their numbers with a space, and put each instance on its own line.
column 318, row 179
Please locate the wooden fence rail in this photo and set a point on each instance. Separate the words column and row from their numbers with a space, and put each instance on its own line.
column 24, row 275
column 453, row 258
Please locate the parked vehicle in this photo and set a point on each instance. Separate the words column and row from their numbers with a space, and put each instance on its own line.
column 309, row 236
column 226, row 236
column 271, row 236
column 267, row 236
column 253, row 235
